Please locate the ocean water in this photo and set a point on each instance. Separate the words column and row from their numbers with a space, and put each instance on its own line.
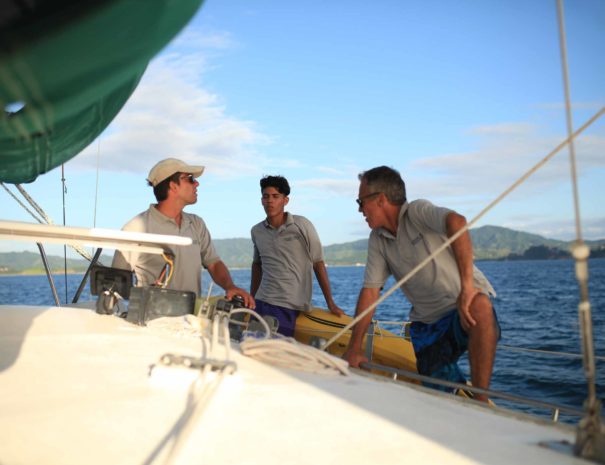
column 536, row 305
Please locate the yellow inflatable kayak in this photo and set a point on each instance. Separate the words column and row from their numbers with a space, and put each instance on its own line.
column 382, row 347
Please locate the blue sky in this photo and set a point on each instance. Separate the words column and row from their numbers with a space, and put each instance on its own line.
column 461, row 97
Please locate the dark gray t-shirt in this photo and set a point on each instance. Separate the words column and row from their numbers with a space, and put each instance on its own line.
column 286, row 255
column 434, row 289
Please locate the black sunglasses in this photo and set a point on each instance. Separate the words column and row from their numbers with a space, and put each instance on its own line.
column 363, row 198
column 188, row 177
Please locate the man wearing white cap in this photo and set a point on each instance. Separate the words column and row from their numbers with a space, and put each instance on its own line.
column 175, row 186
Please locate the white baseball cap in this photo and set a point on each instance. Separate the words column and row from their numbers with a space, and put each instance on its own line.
column 166, row 168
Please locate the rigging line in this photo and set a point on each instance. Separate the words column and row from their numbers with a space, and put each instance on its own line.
column 591, row 431
column 33, row 203
column 462, row 230
column 63, row 189
column 94, row 218
column 46, row 218
column 568, row 118
column 38, row 219
column 545, row 352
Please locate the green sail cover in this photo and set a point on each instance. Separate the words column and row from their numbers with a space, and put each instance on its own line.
column 71, row 71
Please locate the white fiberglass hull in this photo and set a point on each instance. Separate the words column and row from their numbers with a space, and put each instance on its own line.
column 75, row 388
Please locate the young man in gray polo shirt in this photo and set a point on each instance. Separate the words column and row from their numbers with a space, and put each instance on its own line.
column 451, row 308
column 175, row 186
column 286, row 251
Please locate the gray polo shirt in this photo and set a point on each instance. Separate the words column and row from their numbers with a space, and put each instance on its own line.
column 286, row 255
column 188, row 260
column 434, row 289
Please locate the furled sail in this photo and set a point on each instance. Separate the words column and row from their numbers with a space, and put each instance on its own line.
column 66, row 69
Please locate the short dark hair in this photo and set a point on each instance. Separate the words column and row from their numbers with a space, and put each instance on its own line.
column 161, row 189
column 386, row 180
column 279, row 182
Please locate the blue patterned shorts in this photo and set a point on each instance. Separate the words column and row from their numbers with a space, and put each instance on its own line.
column 439, row 345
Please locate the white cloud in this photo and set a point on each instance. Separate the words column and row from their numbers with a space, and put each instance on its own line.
column 171, row 114
column 504, row 129
column 560, row 106
column 216, row 40
column 504, row 154
column 341, row 187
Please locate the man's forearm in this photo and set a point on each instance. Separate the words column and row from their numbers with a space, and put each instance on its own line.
column 220, row 275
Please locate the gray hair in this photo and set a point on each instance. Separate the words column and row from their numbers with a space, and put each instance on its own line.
column 386, row 180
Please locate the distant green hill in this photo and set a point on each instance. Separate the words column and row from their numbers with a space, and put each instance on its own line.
column 31, row 263
column 348, row 253
column 235, row 253
column 238, row 252
column 490, row 243
column 495, row 242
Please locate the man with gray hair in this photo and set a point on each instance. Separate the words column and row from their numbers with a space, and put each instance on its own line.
column 175, row 186
column 451, row 307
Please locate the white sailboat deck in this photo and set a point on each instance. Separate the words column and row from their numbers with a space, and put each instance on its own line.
column 76, row 388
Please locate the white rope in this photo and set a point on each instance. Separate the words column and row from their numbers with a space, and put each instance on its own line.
column 201, row 390
column 257, row 316
column 288, row 353
column 206, row 303
column 226, row 336
column 214, row 335
column 461, row 231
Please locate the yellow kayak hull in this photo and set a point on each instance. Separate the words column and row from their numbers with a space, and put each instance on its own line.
column 387, row 348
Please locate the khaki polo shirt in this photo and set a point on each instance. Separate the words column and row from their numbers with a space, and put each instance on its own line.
column 433, row 290
column 188, row 260
column 286, row 255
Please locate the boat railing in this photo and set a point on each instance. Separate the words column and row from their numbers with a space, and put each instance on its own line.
column 492, row 394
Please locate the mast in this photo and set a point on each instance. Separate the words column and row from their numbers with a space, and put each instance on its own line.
column 590, row 434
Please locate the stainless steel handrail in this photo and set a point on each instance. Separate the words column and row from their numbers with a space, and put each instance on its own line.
column 489, row 392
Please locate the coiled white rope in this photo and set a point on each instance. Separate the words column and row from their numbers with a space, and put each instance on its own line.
column 288, row 353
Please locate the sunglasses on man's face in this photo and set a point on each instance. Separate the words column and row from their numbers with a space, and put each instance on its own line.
column 188, row 177
column 362, row 200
